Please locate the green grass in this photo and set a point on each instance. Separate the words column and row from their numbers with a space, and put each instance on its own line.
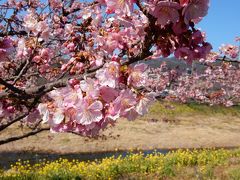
column 235, row 173
column 196, row 164
column 175, row 109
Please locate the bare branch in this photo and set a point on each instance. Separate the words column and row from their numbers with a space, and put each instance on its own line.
column 4, row 126
column 15, row 138
column 22, row 71
column 13, row 88
column 224, row 59
column 12, row 33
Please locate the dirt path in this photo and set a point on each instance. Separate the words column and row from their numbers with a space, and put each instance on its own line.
column 185, row 132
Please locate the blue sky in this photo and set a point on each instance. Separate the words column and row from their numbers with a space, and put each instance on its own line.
column 222, row 24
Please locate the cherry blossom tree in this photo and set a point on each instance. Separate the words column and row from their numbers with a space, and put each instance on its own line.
column 73, row 66
column 214, row 80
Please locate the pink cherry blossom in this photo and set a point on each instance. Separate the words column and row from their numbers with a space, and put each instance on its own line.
column 166, row 12
column 22, row 50
column 202, row 51
column 6, row 44
column 90, row 87
column 110, row 43
column 180, row 27
column 51, row 116
column 230, row 50
column 60, row 109
column 58, row 116
column 33, row 117
column 42, row 28
column 144, row 103
column 70, row 98
column 68, row 29
column 89, row 111
column 108, row 76
column 137, row 77
column 197, row 37
column 120, row 6
column 46, row 53
column 1, row 110
column 123, row 105
column 101, row 1
column 30, row 21
column 44, row 112
column 56, row 4
column 108, row 94
column 184, row 53
column 195, row 10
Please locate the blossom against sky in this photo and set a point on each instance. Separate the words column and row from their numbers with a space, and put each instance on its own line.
column 222, row 24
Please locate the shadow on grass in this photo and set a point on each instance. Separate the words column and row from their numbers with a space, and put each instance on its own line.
column 9, row 158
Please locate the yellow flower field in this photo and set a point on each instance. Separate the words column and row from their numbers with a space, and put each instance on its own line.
column 180, row 164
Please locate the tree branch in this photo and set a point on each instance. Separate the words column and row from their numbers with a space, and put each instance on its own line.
column 4, row 126
column 224, row 59
column 12, row 33
column 13, row 88
column 43, row 89
column 15, row 138
column 22, row 71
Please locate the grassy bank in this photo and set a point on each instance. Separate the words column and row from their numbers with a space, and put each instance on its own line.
column 172, row 109
column 197, row 164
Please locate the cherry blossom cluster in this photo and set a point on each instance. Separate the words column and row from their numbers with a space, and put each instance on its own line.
column 229, row 50
column 74, row 64
column 88, row 106
column 180, row 16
